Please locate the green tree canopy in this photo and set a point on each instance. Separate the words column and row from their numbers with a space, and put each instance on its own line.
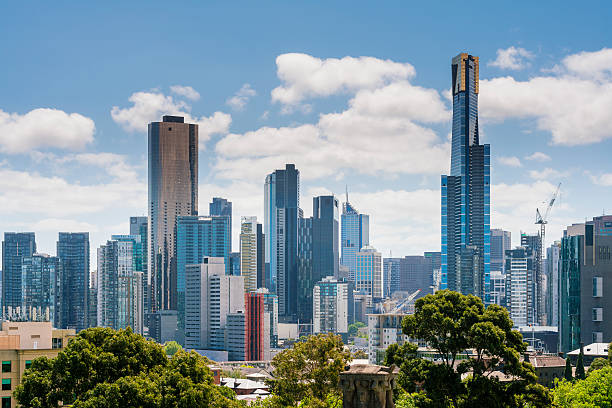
column 106, row 368
column 172, row 347
column 354, row 328
column 593, row 392
column 598, row 364
column 451, row 323
column 311, row 369
column 580, row 374
column 567, row 374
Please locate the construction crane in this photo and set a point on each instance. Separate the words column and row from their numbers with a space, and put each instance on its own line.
column 405, row 302
column 543, row 220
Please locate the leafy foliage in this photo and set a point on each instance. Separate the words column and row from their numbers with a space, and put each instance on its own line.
column 567, row 374
column 311, row 369
column 171, row 347
column 451, row 323
column 106, row 368
column 354, row 328
column 598, row 364
column 594, row 391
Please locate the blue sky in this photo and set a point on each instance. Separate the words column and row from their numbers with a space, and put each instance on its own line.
column 353, row 92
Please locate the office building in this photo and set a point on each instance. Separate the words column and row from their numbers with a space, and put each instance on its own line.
column 469, row 276
column 196, row 238
column 234, row 260
column 534, row 242
column 466, row 191
column 354, row 235
column 257, row 332
column 15, row 247
column 584, row 284
column 236, row 330
column 498, row 288
column 332, row 301
column 140, row 226
column 305, row 265
column 120, row 295
column 391, row 272
column 384, row 330
column 368, row 274
column 41, row 289
column 162, row 325
column 271, row 309
column 501, row 241
column 209, row 297
column 221, row 207
column 281, row 213
column 520, row 270
column 252, row 254
column 173, row 192
column 416, row 273
column 73, row 252
column 20, row 344
column 552, row 272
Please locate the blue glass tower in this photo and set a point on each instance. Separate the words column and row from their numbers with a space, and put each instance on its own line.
column 466, row 192
column 15, row 247
column 354, row 235
column 73, row 252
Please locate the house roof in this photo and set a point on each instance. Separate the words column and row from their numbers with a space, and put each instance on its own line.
column 593, row 349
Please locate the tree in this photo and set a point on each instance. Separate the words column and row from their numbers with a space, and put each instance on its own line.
column 594, row 391
column 311, row 369
column 567, row 374
column 353, row 329
column 580, row 375
column 598, row 364
column 172, row 347
column 106, row 368
column 451, row 323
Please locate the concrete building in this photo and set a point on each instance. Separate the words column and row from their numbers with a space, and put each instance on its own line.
column 20, row 344
column 368, row 275
column 416, row 273
column 537, row 283
column 15, row 247
column 498, row 288
column 391, row 275
column 173, row 192
column 41, row 289
column 209, row 297
column 520, row 270
column 383, row 330
column 585, row 304
column 332, row 304
column 257, row 327
column 271, row 309
column 252, row 254
column 501, row 241
column 466, row 192
column 281, row 214
column 236, row 331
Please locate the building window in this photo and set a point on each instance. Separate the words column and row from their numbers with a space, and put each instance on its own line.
column 6, row 402
column 597, row 286
column 597, row 314
column 28, row 364
column 6, row 384
column 597, row 337
column 57, row 343
column 6, row 366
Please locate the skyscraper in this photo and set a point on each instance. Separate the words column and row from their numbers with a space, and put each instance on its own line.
column 332, row 301
column 354, row 235
column 501, row 242
column 281, row 213
column 73, row 252
column 252, row 254
column 140, row 226
column 42, row 288
column 222, row 208
column 15, row 247
column 391, row 274
column 173, row 192
column 520, row 266
column 552, row 265
column 369, row 273
column 197, row 237
column 466, row 191
column 257, row 333
column 416, row 273
column 536, row 287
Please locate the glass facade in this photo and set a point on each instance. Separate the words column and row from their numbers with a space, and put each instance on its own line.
column 41, row 288
column 369, row 273
column 15, row 247
column 73, row 252
column 465, row 192
column 569, row 292
column 354, row 235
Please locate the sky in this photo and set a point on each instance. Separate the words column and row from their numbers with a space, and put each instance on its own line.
column 354, row 93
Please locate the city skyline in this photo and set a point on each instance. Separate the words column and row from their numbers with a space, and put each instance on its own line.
column 86, row 169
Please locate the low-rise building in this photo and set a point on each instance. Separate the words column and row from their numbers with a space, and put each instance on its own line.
column 383, row 330
column 20, row 344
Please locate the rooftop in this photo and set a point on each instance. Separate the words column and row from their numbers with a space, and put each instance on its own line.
column 593, row 349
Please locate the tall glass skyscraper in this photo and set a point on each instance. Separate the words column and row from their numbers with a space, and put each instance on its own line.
column 15, row 247
column 140, row 226
column 466, row 191
column 281, row 212
column 73, row 252
column 354, row 235
column 222, row 207
column 42, row 288
column 173, row 192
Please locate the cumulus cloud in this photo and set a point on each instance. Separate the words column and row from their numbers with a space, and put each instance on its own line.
column 538, row 156
column 511, row 161
column 514, row 58
column 572, row 103
column 546, row 174
column 44, row 128
column 151, row 106
column 304, row 76
column 604, row 179
column 241, row 98
column 186, row 91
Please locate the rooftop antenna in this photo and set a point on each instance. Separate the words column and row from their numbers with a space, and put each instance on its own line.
column 346, row 187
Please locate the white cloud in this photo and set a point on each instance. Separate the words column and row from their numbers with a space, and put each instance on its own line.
column 546, row 174
column 44, row 128
column 512, row 58
column 304, row 76
column 597, row 64
column 538, row 156
column 151, row 106
column 186, row 91
column 604, row 179
column 241, row 98
column 511, row 161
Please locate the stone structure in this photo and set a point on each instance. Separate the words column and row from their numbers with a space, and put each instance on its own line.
column 368, row 386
